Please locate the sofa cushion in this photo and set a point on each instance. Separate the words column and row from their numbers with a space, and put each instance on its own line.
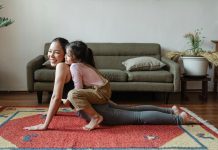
column 162, row 76
column 114, row 75
column 142, row 63
column 47, row 64
column 44, row 75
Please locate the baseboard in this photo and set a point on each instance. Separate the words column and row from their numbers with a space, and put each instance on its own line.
column 15, row 92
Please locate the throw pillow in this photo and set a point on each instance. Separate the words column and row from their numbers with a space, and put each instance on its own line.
column 142, row 63
column 47, row 64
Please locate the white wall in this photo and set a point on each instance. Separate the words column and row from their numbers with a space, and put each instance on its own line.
column 39, row 21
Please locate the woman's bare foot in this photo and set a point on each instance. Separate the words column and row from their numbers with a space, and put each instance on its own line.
column 175, row 110
column 186, row 119
column 95, row 121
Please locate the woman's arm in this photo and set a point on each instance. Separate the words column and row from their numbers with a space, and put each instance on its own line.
column 61, row 75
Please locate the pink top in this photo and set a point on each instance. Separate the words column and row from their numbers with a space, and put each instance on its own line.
column 83, row 75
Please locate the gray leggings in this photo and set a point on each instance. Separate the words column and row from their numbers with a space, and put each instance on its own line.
column 114, row 114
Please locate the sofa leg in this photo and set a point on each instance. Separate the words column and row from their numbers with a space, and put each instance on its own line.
column 39, row 97
column 153, row 95
column 166, row 97
column 49, row 95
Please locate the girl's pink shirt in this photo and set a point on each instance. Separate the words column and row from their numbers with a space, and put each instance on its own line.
column 83, row 75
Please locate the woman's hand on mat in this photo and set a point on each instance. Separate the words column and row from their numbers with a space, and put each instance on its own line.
column 36, row 127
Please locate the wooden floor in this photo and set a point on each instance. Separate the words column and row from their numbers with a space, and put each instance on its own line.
column 206, row 110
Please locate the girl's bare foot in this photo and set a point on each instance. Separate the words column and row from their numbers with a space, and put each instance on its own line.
column 68, row 103
column 175, row 110
column 95, row 121
column 186, row 119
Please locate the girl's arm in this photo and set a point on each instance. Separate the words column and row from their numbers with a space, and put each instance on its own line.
column 60, row 78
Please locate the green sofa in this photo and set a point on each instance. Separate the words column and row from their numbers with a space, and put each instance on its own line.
column 109, row 58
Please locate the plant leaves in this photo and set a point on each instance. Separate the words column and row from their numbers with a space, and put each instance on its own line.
column 5, row 22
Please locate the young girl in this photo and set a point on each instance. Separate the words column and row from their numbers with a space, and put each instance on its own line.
column 90, row 87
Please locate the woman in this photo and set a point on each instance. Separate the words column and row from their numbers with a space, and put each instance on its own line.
column 56, row 54
column 113, row 114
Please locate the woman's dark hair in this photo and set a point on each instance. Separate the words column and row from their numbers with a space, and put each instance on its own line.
column 81, row 51
column 63, row 42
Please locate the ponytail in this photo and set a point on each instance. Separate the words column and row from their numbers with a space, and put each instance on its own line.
column 90, row 58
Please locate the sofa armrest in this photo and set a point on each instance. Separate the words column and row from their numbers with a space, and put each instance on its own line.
column 175, row 70
column 32, row 65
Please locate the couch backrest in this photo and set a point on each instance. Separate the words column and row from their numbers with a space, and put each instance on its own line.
column 111, row 55
column 46, row 47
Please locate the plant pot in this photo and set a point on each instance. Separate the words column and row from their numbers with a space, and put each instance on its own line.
column 195, row 66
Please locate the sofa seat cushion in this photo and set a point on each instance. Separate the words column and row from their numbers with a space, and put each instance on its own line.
column 162, row 76
column 114, row 75
column 44, row 75
column 111, row 74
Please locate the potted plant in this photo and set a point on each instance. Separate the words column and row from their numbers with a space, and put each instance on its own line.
column 194, row 64
column 195, row 60
column 5, row 21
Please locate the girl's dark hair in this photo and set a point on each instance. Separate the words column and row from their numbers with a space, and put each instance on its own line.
column 63, row 42
column 81, row 51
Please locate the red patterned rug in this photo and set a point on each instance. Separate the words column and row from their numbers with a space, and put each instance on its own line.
column 65, row 132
